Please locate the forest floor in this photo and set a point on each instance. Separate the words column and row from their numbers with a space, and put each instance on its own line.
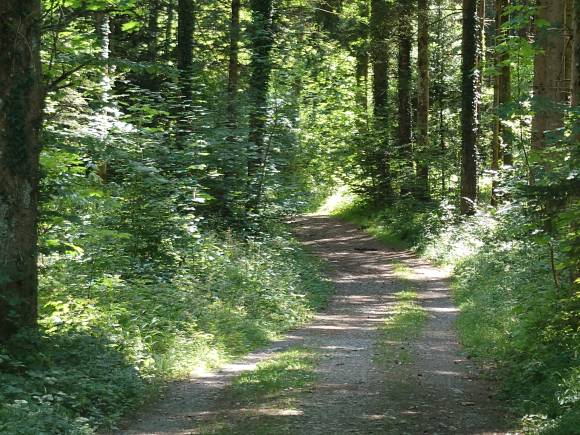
column 382, row 358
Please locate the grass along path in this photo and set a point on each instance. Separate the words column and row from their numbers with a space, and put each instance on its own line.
column 380, row 359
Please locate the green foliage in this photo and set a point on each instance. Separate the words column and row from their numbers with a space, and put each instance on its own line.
column 513, row 316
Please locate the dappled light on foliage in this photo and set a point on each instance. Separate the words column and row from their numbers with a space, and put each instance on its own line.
column 167, row 168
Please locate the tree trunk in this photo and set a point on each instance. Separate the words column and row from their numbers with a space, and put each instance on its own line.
column 103, row 30
column 233, row 64
column 469, row 124
column 168, row 29
column 153, row 27
column 423, row 100
column 262, row 41
column 185, row 27
column 550, row 86
column 379, row 25
column 575, row 79
column 362, row 68
column 20, row 121
column 404, row 96
column 502, row 136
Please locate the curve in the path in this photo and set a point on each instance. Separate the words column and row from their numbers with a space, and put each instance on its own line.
column 436, row 392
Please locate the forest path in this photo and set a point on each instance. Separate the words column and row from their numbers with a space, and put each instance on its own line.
column 366, row 382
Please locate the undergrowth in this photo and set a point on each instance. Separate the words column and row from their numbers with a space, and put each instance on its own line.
column 514, row 318
column 108, row 339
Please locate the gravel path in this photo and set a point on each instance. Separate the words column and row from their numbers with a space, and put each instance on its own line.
column 437, row 391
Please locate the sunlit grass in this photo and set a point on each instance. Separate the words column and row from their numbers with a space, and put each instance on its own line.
column 267, row 399
column 405, row 324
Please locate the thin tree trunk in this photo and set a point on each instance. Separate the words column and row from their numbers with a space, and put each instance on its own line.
column 153, row 27
column 469, row 124
column 168, row 29
column 261, row 66
column 575, row 79
column 550, row 87
column 233, row 64
column 404, row 96
column 103, row 29
column 185, row 23
column 362, row 68
column 423, row 100
column 185, row 27
column 380, row 10
column 21, row 99
column 502, row 136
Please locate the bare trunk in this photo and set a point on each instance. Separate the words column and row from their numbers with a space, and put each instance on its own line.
column 168, row 29
column 380, row 59
column 423, row 100
column 233, row 65
column 261, row 66
column 469, row 124
column 502, row 135
column 185, row 26
column 20, row 122
column 575, row 82
column 550, row 85
column 153, row 27
column 404, row 96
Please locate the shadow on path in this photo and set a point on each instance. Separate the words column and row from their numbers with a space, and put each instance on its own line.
column 436, row 392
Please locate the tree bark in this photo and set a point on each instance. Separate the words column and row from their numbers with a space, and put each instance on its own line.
column 423, row 87
column 184, row 51
column 153, row 26
column 21, row 99
column 168, row 29
column 502, row 136
column 404, row 96
column 550, row 86
column 469, row 124
column 379, row 26
column 260, row 66
column 185, row 26
column 233, row 64
column 575, row 79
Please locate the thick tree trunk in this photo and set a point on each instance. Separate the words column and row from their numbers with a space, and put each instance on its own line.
column 261, row 65
column 404, row 96
column 550, row 86
column 20, row 121
column 469, row 124
column 423, row 100
column 379, row 25
column 233, row 64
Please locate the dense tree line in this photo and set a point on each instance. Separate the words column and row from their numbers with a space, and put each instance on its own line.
column 407, row 154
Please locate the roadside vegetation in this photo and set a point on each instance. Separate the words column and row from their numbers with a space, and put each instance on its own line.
column 105, row 345
column 513, row 319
